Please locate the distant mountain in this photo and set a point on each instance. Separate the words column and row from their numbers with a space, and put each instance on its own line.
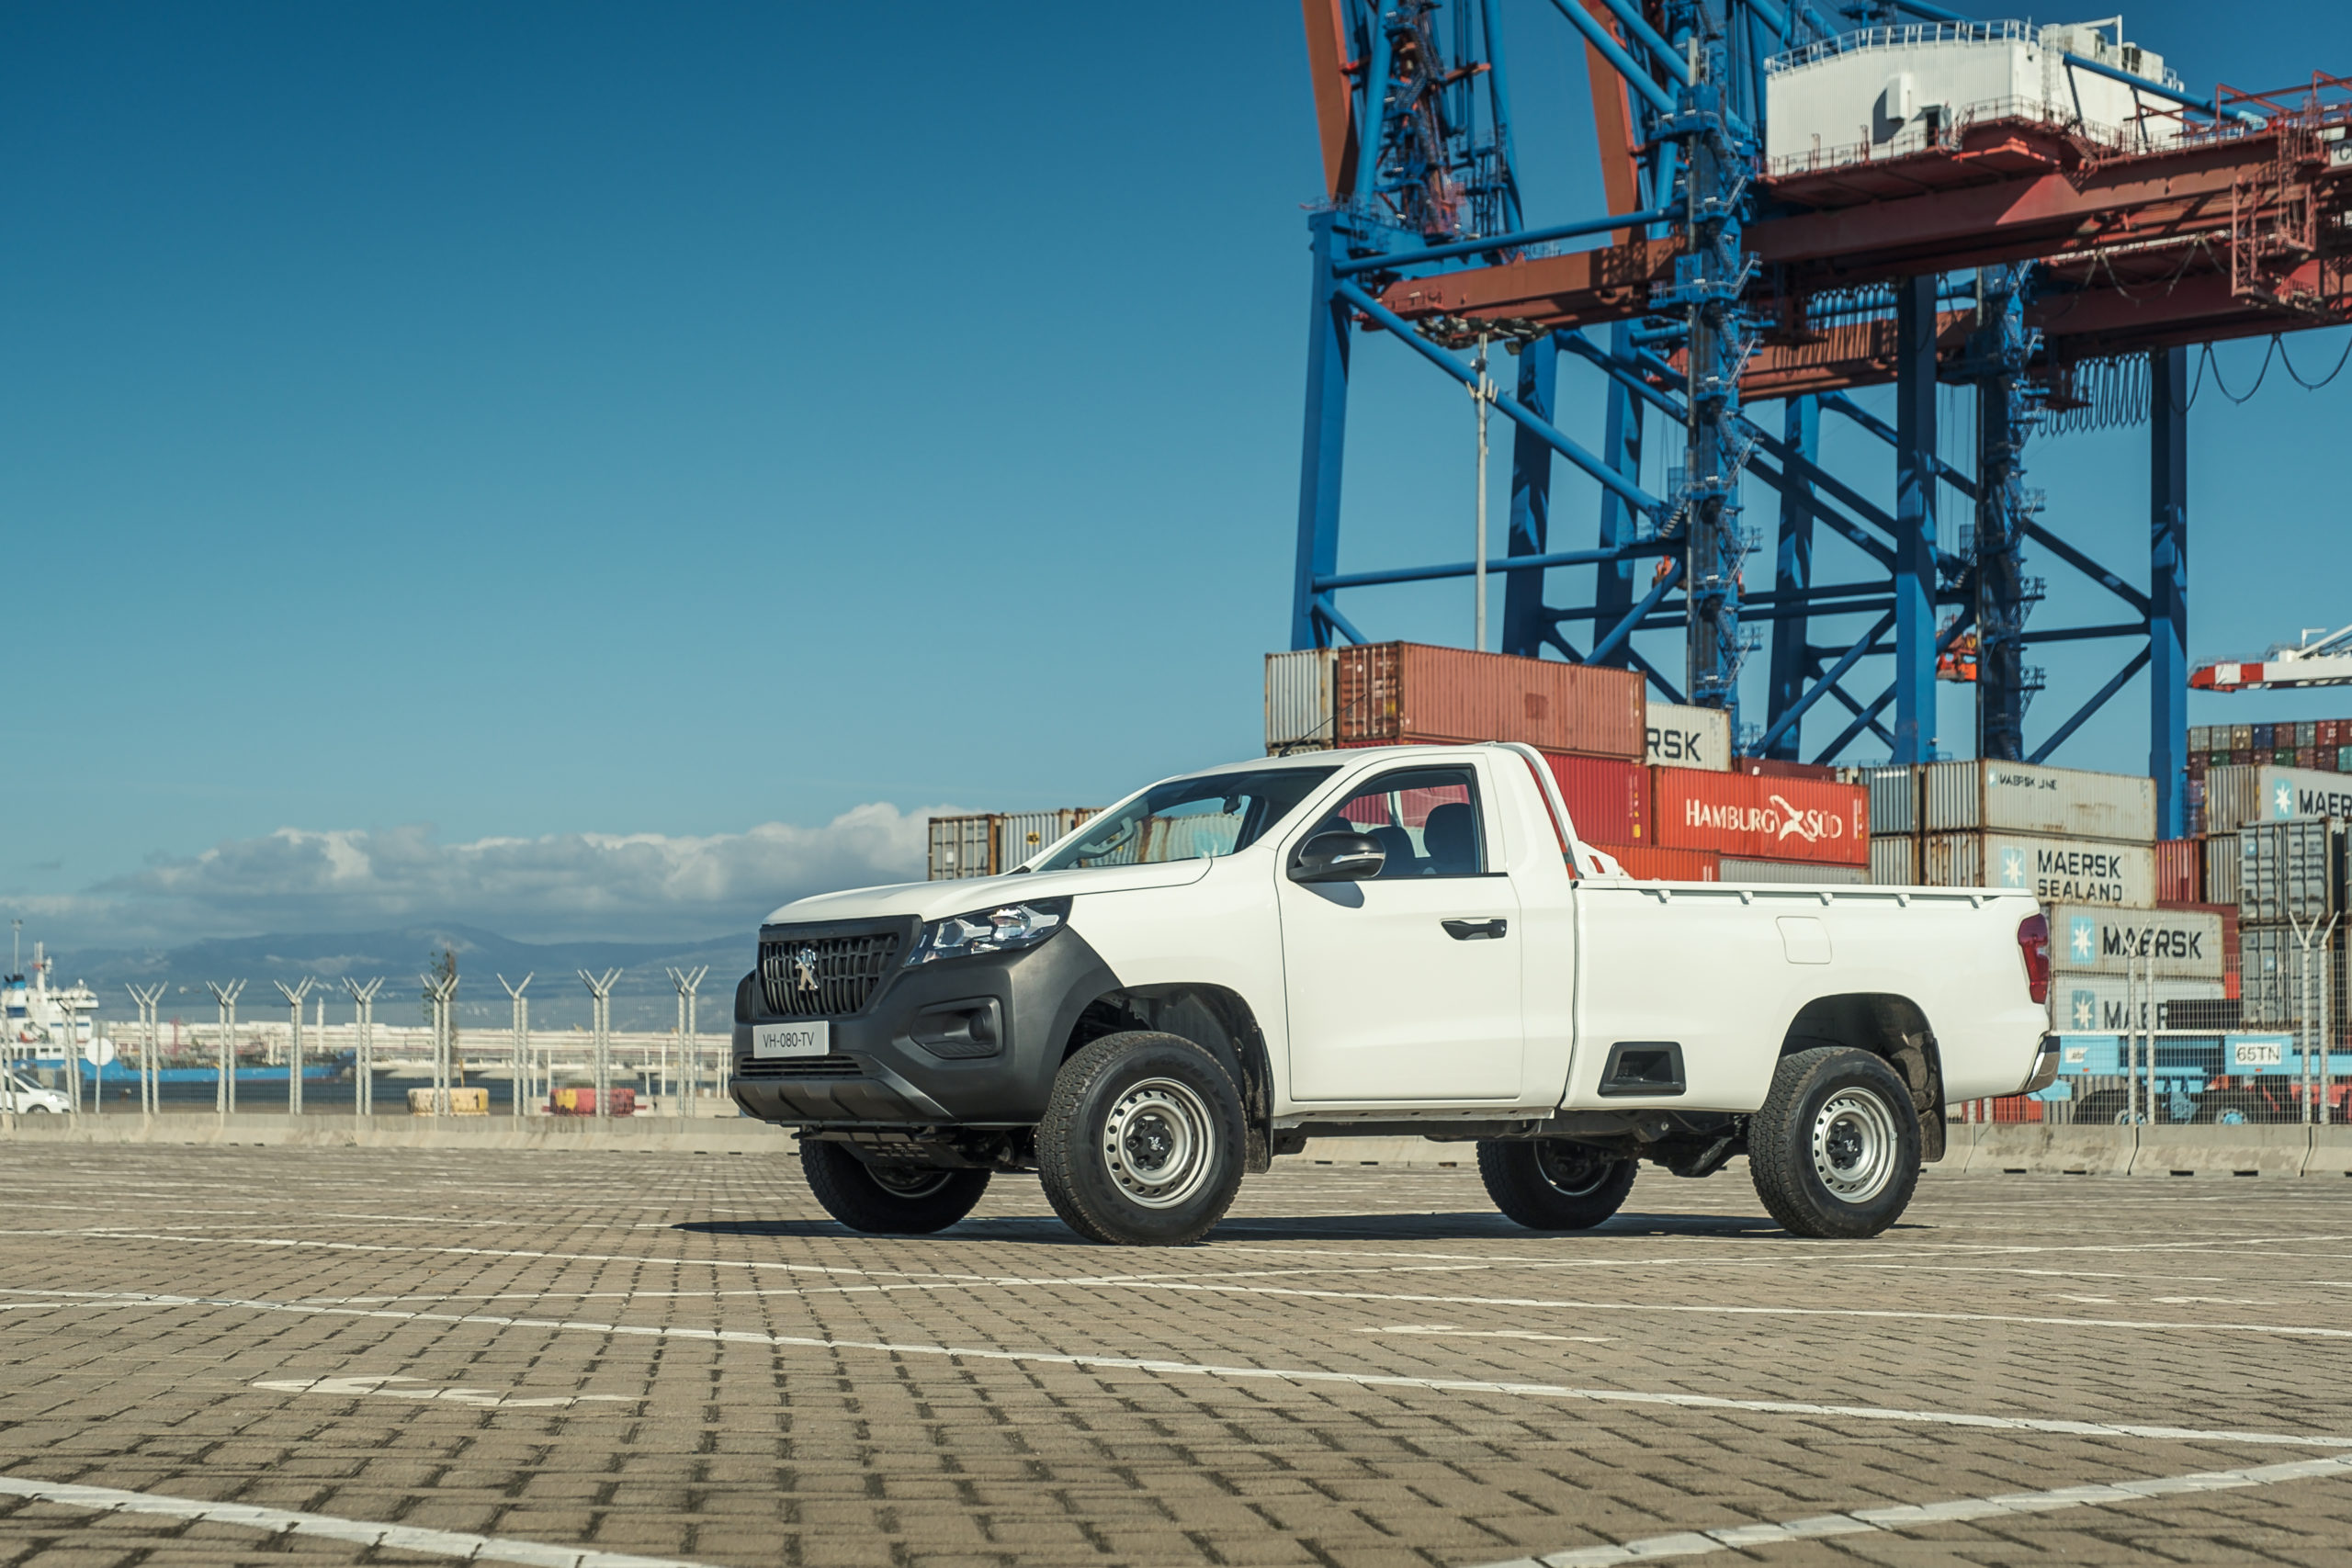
column 642, row 996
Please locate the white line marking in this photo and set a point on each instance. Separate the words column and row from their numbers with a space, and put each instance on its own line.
column 1863, row 1521
column 477, row 1398
column 1147, row 1283
column 1271, row 1374
column 288, row 1521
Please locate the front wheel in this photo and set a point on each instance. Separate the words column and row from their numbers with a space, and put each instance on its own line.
column 1550, row 1184
column 1141, row 1143
column 887, row 1200
column 1835, row 1151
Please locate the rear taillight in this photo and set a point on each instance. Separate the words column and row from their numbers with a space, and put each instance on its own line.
column 2033, row 946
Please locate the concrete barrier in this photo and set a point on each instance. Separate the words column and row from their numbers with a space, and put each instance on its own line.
column 665, row 1134
column 2038, row 1148
column 2224, row 1149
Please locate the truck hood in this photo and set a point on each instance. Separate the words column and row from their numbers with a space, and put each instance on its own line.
column 937, row 900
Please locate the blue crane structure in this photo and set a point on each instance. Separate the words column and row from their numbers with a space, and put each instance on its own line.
column 2002, row 254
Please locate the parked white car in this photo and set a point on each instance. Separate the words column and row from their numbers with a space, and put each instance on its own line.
column 17, row 1095
column 1394, row 940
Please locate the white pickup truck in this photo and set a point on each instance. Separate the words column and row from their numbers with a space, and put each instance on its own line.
column 1401, row 941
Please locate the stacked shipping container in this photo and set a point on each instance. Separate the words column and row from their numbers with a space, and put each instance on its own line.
column 2061, row 833
column 992, row 843
column 1649, row 783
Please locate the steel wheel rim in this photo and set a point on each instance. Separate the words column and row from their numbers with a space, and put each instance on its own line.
column 907, row 1181
column 1158, row 1143
column 1854, row 1146
column 1571, row 1173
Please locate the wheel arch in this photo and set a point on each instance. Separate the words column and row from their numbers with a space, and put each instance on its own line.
column 1216, row 1018
column 1888, row 1025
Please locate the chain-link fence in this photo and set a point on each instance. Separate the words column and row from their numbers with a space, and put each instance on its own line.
column 2269, row 1042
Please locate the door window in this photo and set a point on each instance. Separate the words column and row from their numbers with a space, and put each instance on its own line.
column 1426, row 818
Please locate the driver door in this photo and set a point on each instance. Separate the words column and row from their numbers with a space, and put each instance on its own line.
column 1406, row 985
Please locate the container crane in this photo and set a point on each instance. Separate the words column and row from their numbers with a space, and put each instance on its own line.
column 2316, row 661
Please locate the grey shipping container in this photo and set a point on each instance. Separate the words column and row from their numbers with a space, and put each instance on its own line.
column 2078, row 871
column 2290, row 871
column 961, row 846
column 1808, row 874
column 1894, row 861
column 1683, row 737
column 1021, row 836
column 2271, row 978
column 2105, row 1004
column 2222, row 869
column 2177, row 944
column 1300, row 696
column 1895, row 799
column 2236, row 796
column 2020, row 798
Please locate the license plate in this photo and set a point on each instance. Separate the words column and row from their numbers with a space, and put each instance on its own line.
column 792, row 1039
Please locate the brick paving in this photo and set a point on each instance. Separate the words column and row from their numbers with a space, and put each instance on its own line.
column 679, row 1357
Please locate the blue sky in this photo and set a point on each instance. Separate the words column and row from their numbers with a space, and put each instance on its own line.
column 485, row 462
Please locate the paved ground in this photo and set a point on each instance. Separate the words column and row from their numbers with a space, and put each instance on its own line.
column 407, row 1355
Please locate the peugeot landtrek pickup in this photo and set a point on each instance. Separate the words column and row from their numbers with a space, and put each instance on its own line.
column 1397, row 941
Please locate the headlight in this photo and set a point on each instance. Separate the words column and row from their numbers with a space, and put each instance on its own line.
column 1005, row 929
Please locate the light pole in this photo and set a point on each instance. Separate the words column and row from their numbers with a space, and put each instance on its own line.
column 601, row 988
column 224, row 1099
column 295, row 996
column 524, row 1077
column 439, row 991
column 150, row 1087
column 363, row 1059
column 688, row 981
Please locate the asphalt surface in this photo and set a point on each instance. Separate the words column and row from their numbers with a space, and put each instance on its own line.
column 228, row 1355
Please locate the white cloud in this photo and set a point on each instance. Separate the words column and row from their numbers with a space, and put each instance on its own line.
column 636, row 885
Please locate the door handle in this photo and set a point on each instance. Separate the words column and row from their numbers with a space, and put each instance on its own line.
column 1475, row 931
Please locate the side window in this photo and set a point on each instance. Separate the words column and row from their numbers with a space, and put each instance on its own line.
column 1427, row 818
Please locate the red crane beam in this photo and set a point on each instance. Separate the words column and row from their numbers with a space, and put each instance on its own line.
column 2219, row 236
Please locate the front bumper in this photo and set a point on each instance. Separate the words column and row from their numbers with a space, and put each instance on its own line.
column 965, row 1041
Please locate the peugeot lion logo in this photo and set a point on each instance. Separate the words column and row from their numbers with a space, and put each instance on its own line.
column 804, row 969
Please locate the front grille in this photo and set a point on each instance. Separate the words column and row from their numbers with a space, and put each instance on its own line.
column 846, row 970
column 833, row 1066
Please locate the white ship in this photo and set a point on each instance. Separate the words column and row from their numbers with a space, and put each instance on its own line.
column 41, row 1022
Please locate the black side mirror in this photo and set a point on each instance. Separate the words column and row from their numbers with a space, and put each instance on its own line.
column 1337, row 857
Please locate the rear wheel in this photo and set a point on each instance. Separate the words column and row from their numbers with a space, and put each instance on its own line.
column 887, row 1200
column 1550, row 1184
column 1835, row 1151
column 1141, row 1143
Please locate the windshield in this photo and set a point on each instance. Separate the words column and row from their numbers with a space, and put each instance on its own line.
column 1189, row 818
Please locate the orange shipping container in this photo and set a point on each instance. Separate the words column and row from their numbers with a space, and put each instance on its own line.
column 1760, row 817
column 1395, row 693
column 1648, row 863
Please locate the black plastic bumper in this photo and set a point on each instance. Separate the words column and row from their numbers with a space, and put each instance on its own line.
column 965, row 1041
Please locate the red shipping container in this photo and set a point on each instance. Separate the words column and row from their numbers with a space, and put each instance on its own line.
column 1758, row 818
column 2180, row 871
column 1648, row 863
column 2307, row 756
column 1607, row 800
column 1392, row 693
column 2017, row 1108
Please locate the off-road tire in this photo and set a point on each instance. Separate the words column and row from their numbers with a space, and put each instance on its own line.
column 1550, row 1184
column 1835, row 1151
column 1141, row 1144
column 890, row 1199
